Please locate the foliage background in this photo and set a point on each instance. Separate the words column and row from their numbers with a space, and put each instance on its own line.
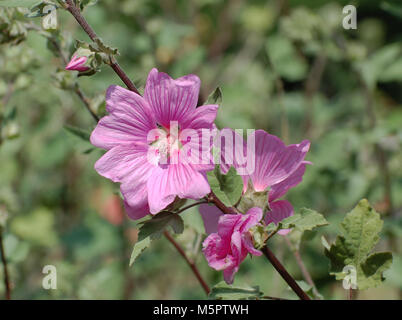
column 342, row 90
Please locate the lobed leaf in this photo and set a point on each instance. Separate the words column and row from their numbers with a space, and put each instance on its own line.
column 361, row 228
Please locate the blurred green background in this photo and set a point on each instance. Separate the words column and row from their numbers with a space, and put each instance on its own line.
column 285, row 66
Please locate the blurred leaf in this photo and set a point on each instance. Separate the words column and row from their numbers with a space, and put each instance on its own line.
column 361, row 228
column 223, row 291
column 87, row 3
column 380, row 66
column 78, row 132
column 37, row 227
column 392, row 8
column 18, row 3
column 287, row 63
column 227, row 187
column 215, row 97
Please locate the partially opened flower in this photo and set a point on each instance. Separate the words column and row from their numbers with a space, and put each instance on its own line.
column 276, row 169
column 150, row 141
column 226, row 248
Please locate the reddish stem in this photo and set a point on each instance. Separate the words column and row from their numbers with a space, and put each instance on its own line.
column 76, row 13
column 285, row 275
column 189, row 262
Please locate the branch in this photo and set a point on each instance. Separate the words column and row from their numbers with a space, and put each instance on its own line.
column 285, row 275
column 191, row 205
column 77, row 89
column 302, row 266
column 212, row 198
column 5, row 269
column 76, row 13
column 189, row 262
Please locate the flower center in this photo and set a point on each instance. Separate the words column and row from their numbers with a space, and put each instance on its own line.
column 166, row 144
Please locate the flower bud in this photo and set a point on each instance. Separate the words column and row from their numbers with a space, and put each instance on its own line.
column 85, row 61
column 78, row 64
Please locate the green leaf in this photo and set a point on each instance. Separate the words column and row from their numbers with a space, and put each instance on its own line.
column 306, row 220
column 223, row 291
column 154, row 227
column 139, row 247
column 18, row 3
column 228, row 188
column 309, row 290
column 361, row 228
column 87, row 3
column 78, row 132
column 392, row 9
column 288, row 63
column 215, row 97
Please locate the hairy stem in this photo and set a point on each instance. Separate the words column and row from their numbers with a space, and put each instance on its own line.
column 76, row 13
column 285, row 275
column 7, row 284
column 189, row 262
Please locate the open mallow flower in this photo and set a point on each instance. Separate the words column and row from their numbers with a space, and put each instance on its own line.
column 154, row 144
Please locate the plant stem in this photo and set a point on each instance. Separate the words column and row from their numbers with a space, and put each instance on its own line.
column 302, row 266
column 219, row 204
column 77, row 89
column 86, row 102
column 5, row 269
column 285, row 275
column 189, row 262
column 76, row 13
column 191, row 205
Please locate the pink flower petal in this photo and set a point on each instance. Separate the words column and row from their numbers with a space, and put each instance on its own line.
column 137, row 212
column 252, row 218
column 201, row 117
column 274, row 161
column 176, row 180
column 229, row 273
column 171, row 100
column 130, row 120
column 279, row 190
column 122, row 161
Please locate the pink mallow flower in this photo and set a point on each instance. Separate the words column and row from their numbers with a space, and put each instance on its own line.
column 77, row 64
column 149, row 180
column 229, row 246
column 277, row 169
